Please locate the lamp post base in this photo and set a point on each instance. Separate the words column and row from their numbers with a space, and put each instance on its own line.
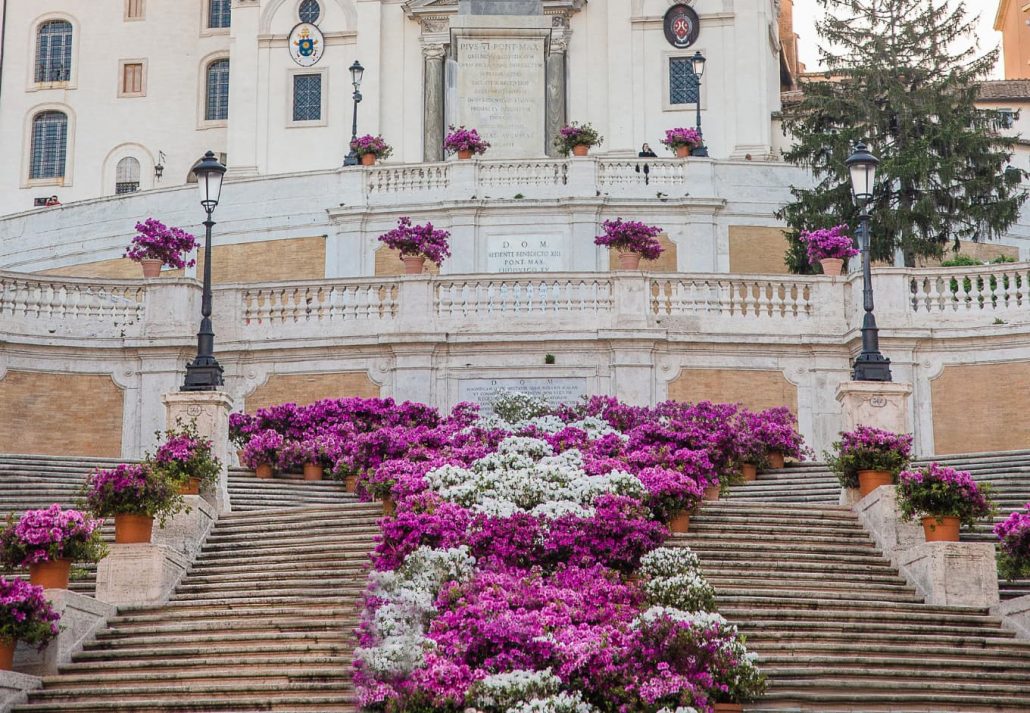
column 871, row 366
column 202, row 376
column 700, row 151
column 351, row 159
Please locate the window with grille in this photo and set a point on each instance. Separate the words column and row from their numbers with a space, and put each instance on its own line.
column 126, row 176
column 307, row 97
column 309, row 11
column 683, row 85
column 217, row 106
column 54, row 52
column 49, row 145
column 132, row 78
column 133, row 9
column 218, row 13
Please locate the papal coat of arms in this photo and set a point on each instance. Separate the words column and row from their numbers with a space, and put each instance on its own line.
column 682, row 26
column 306, row 44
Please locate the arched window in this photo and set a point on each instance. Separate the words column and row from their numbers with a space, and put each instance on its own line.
column 310, row 11
column 54, row 51
column 217, row 105
column 218, row 13
column 49, row 145
column 126, row 176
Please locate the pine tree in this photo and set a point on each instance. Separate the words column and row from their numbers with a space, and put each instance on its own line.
column 903, row 76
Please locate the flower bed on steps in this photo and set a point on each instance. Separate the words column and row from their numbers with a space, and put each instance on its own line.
column 524, row 569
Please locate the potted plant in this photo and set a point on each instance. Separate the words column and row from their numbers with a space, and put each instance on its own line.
column 48, row 541
column 241, row 427
column 156, row 244
column 370, row 148
column 577, row 138
column 682, row 141
column 134, row 494
column 1014, row 539
column 417, row 243
column 944, row 498
column 25, row 615
column 775, row 429
column 829, row 247
column 262, row 452
column 632, row 239
column 186, row 459
column 674, row 494
column 464, row 142
column 867, row 458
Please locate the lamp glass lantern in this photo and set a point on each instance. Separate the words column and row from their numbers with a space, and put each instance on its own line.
column 356, row 73
column 210, row 173
column 862, row 167
column 697, row 63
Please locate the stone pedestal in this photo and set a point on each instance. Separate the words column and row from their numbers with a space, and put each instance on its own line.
column 1015, row 615
column 81, row 616
column 139, row 575
column 13, row 687
column 210, row 411
column 956, row 574
column 875, row 403
column 879, row 513
column 185, row 533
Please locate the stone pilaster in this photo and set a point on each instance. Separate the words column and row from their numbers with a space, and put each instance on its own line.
column 210, row 411
column 556, row 116
column 433, row 128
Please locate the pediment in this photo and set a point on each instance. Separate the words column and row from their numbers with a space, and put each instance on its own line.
column 420, row 8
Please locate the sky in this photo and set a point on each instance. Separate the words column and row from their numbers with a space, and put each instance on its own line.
column 805, row 13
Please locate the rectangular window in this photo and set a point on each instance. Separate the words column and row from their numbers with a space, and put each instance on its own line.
column 218, row 13
column 134, row 9
column 683, row 85
column 307, row 97
column 132, row 79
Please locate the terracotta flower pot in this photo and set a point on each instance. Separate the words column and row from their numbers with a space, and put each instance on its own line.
column 133, row 529
column 192, row 487
column 263, row 471
column 729, row 708
column 712, row 492
column 628, row 261
column 680, row 522
column 870, row 480
column 313, row 471
column 580, row 150
column 368, row 159
column 50, row 575
column 776, row 459
column 749, row 471
column 943, row 529
column 7, row 654
column 389, row 507
column 350, row 483
column 832, row 266
column 413, row 264
column 151, row 267
column 683, row 151
column 464, row 155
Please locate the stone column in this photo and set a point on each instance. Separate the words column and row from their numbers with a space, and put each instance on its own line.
column 556, row 93
column 210, row 411
column 432, row 123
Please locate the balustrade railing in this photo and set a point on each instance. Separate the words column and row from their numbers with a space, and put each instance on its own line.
column 74, row 299
column 494, row 174
column 641, row 171
column 787, row 298
column 415, row 177
column 971, row 289
column 319, row 302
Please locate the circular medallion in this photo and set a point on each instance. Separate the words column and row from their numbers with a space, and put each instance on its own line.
column 682, row 26
column 306, row 44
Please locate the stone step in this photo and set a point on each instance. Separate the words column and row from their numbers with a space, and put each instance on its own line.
column 123, row 653
column 296, row 697
column 188, row 593
column 270, row 565
column 305, row 671
column 312, row 546
column 336, row 536
column 105, row 640
column 812, row 581
column 294, row 577
column 1001, row 669
column 235, row 627
column 731, row 593
column 807, row 571
column 929, row 653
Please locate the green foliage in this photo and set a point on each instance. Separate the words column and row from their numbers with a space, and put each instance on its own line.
column 901, row 78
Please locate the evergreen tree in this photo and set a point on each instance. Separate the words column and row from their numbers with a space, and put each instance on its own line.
column 903, row 76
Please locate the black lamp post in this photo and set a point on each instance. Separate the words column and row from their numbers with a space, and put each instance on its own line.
column 204, row 373
column 870, row 365
column 697, row 63
column 356, row 72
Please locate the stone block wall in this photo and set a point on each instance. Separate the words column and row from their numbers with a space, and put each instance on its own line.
column 757, row 250
column 307, row 388
column 981, row 407
column 756, row 389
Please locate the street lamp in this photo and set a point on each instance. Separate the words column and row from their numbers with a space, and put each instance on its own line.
column 870, row 365
column 204, row 373
column 356, row 72
column 697, row 63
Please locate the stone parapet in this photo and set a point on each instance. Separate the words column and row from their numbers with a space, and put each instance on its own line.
column 139, row 575
column 1015, row 615
column 957, row 574
column 185, row 532
column 14, row 687
column 81, row 616
column 881, row 517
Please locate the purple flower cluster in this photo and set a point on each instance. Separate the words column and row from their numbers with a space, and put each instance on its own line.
column 674, row 138
column 576, row 134
column 868, row 448
column 1014, row 540
column 941, row 491
column 828, row 243
column 631, row 236
column 418, row 240
column 25, row 613
column 774, row 429
column 156, row 241
column 131, row 489
column 184, row 455
column 47, row 535
column 462, row 139
column 369, row 144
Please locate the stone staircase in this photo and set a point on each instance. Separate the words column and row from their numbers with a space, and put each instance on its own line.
column 835, row 626
column 263, row 621
column 812, row 483
column 247, row 492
